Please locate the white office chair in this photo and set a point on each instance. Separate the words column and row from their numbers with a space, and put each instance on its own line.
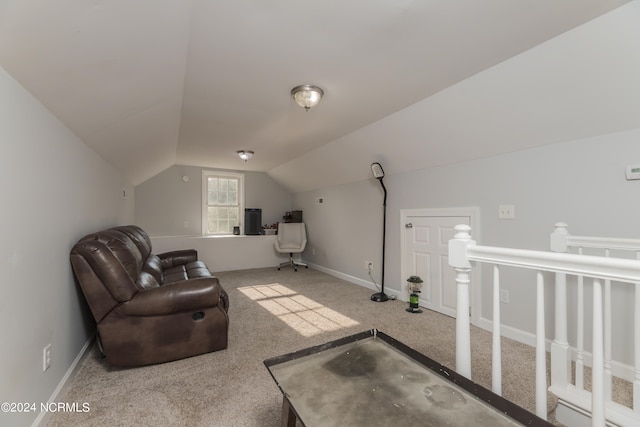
column 292, row 238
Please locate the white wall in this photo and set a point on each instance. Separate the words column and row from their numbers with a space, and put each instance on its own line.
column 226, row 253
column 580, row 182
column 346, row 229
column 575, row 97
column 164, row 202
column 54, row 190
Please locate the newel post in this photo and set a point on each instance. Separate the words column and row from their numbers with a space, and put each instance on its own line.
column 560, row 355
column 559, row 237
column 458, row 259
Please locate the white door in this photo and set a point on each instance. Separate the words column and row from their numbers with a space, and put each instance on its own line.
column 425, row 254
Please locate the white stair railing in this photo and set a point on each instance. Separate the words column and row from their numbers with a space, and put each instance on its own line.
column 561, row 241
column 463, row 251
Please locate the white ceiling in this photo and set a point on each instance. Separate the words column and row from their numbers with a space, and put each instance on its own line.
column 150, row 83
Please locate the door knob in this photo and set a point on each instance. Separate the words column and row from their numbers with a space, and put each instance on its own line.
column 408, row 225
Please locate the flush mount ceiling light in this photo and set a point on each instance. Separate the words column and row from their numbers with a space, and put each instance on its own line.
column 307, row 96
column 245, row 154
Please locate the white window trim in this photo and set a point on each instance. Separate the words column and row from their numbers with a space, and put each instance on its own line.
column 205, row 216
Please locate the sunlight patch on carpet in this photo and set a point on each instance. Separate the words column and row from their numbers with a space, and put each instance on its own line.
column 302, row 314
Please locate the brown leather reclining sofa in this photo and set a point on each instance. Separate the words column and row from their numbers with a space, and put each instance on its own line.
column 149, row 308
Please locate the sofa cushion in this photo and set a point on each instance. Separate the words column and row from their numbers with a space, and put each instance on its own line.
column 174, row 274
column 146, row 281
column 124, row 250
column 178, row 258
column 115, row 262
column 138, row 236
column 197, row 269
column 190, row 270
column 153, row 266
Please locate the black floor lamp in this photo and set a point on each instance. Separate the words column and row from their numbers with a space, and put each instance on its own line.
column 378, row 173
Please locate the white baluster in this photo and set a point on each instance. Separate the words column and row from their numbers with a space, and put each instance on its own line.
column 459, row 261
column 607, row 337
column 496, row 356
column 560, row 351
column 463, row 327
column 580, row 333
column 541, row 354
column 560, row 354
column 597, row 380
column 636, row 347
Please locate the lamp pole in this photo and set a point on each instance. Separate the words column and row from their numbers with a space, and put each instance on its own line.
column 378, row 173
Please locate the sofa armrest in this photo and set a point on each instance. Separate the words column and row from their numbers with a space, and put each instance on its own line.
column 175, row 258
column 192, row 294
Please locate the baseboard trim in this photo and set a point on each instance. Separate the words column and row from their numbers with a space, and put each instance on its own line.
column 44, row 417
column 355, row 280
column 618, row 369
column 511, row 333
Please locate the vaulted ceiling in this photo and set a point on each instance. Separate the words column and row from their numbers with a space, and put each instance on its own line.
column 152, row 83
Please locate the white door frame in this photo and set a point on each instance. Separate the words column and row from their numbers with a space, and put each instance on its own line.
column 474, row 220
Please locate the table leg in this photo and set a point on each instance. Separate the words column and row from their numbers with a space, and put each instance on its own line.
column 288, row 416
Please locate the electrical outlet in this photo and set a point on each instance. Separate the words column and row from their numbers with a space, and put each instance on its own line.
column 506, row 212
column 504, row 296
column 368, row 265
column 46, row 358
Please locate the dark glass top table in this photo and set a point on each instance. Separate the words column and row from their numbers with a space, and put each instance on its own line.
column 370, row 379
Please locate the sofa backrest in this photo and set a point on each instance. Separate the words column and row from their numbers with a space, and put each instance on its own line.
column 107, row 265
column 139, row 237
column 151, row 275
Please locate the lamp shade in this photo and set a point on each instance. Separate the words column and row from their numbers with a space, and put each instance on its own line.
column 377, row 170
column 245, row 154
column 307, row 96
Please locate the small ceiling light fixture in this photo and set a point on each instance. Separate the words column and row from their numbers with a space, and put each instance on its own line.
column 245, row 154
column 307, row 96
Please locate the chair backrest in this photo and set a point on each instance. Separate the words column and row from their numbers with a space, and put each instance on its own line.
column 292, row 236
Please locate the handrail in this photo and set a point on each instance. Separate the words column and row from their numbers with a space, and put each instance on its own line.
column 622, row 270
column 561, row 241
column 464, row 252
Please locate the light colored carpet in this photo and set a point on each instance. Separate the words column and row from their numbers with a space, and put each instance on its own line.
column 233, row 388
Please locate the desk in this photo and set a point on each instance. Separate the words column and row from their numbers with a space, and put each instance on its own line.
column 370, row 379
